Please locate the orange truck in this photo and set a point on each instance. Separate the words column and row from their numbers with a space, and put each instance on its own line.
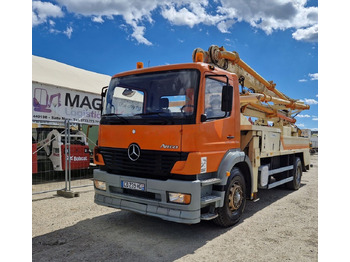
column 191, row 142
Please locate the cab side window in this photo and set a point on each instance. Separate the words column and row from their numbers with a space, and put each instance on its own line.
column 213, row 93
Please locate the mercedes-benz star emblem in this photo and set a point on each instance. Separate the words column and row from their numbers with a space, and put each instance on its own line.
column 134, row 152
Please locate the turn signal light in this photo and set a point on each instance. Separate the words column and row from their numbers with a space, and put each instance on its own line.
column 98, row 159
column 199, row 57
column 100, row 185
column 179, row 198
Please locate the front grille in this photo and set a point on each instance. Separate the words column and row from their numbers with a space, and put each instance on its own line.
column 151, row 164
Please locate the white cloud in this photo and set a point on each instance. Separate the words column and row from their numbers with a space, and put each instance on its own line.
column 309, row 101
column 134, row 12
column 267, row 15
column 54, row 31
column 181, row 17
column 309, row 34
column 97, row 19
column 189, row 13
column 42, row 10
column 224, row 26
column 313, row 76
column 303, row 116
column 138, row 33
column 68, row 32
column 130, row 9
column 271, row 15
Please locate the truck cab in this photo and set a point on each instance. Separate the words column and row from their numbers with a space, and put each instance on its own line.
column 168, row 125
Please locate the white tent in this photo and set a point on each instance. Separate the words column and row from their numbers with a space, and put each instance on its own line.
column 51, row 72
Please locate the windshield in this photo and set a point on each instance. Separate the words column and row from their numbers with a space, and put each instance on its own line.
column 166, row 97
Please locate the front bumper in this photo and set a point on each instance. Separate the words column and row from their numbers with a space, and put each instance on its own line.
column 153, row 201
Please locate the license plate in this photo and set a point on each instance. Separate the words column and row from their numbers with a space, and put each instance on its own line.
column 133, row 185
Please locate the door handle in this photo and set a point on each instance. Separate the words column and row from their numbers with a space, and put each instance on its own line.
column 230, row 137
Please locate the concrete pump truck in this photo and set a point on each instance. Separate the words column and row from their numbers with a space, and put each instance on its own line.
column 200, row 140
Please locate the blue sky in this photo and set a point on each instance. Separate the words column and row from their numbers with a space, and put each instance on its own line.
column 278, row 38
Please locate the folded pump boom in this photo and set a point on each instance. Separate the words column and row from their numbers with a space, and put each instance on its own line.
column 263, row 100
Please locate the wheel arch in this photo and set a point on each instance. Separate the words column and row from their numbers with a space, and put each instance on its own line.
column 247, row 174
column 236, row 158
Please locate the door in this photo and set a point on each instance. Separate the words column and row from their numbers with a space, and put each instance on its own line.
column 219, row 127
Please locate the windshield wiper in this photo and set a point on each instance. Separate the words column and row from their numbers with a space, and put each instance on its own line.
column 162, row 117
column 117, row 116
column 149, row 114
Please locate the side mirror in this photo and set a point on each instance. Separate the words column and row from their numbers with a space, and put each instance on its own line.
column 203, row 117
column 104, row 91
column 226, row 98
column 103, row 95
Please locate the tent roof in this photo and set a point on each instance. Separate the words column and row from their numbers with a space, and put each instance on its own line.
column 51, row 72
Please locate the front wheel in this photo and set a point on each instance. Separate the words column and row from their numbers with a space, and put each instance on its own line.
column 235, row 200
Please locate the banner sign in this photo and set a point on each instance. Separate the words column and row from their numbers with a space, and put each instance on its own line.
column 51, row 103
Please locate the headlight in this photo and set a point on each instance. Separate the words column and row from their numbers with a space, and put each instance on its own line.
column 100, row 185
column 179, row 198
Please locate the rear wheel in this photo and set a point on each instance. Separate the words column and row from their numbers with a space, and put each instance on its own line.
column 235, row 200
column 298, row 170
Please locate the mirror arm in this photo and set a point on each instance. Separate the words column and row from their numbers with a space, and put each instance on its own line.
column 103, row 95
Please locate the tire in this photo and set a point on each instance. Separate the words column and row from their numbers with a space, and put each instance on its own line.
column 297, row 173
column 234, row 202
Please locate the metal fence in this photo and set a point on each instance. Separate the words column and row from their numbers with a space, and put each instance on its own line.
column 61, row 158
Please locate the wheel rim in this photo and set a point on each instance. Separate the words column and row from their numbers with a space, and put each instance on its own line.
column 235, row 197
